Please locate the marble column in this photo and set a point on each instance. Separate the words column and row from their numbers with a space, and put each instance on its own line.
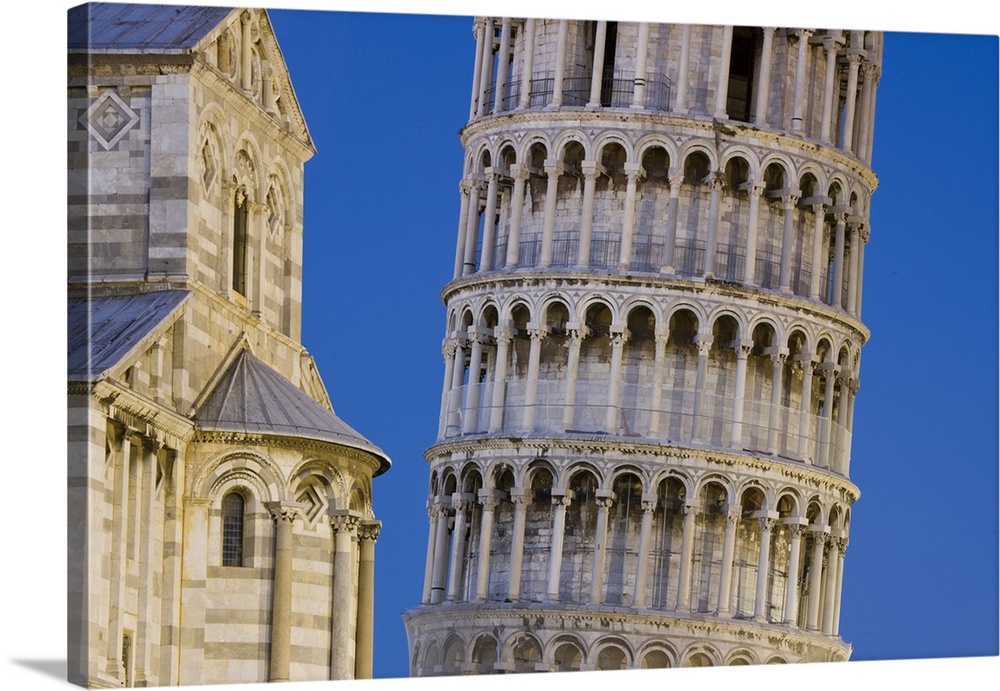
column 343, row 636
column 640, row 600
column 742, row 353
column 284, row 515
column 725, row 606
column 778, row 358
column 520, row 499
column 605, row 498
column 831, row 45
column 830, row 587
column 683, row 71
column 764, row 79
column 503, row 67
column 785, row 278
column 687, row 554
column 671, row 240
column 597, row 68
column 591, row 170
column 486, row 67
column 754, row 189
column 470, row 423
column 477, row 71
column 819, row 228
column 805, row 410
column 799, row 97
column 722, row 87
column 619, row 335
column 552, row 170
column 837, row 291
column 463, row 222
column 537, row 333
column 656, row 397
column 439, row 572
column 489, row 221
column 560, row 500
column 503, row 337
column 633, row 171
column 819, row 534
column 460, row 504
column 715, row 183
column 704, row 344
column 639, row 85
column 529, row 62
column 575, row 333
column 367, row 535
column 488, row 502
column 520, row 175
column 792, row 585
column 763, row 567
column 847, row 138
column 432, row 517
column 560, row 69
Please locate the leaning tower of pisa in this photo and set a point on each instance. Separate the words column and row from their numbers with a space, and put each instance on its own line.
column 652, row 349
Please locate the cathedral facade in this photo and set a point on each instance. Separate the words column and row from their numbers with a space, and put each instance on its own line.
column 220, row 516
column 652, row 349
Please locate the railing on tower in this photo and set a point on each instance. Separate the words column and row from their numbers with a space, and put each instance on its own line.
column 777, row 432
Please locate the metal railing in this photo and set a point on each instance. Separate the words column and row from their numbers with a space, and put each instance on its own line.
column 677, row 418
column 617, row 91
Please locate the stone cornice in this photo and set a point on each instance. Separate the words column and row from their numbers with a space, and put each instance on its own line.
column 547, row 278
column 641, row 122
column 580, row 617
column 147, row 416
column 369, row 461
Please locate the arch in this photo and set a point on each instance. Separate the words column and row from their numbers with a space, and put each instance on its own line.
column 566, row 653
column 484, row 655
column 432, row 658
column 700, row 655
column 656, row 658
column 233, row 527
column 453, row 655
column 525, row 653
column 611, row 653
column 741, row 656
column 254, row 469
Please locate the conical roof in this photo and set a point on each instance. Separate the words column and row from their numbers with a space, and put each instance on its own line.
column 251, row 397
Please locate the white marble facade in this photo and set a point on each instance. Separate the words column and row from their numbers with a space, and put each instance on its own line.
column 652, row 349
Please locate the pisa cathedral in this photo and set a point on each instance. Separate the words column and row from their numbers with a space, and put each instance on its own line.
column 220, row 518
column 652, row 349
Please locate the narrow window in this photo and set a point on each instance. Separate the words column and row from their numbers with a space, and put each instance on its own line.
column 240, row 217
column 608, row 95
column 232, row 529
column 740, row 93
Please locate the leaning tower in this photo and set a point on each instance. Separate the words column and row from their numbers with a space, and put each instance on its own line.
column 652, row 349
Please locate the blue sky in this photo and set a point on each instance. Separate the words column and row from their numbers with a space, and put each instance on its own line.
column 384, row 97
column 381, row 213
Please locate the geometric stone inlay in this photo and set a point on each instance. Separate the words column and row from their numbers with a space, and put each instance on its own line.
column 108, row 119
column 315, row 504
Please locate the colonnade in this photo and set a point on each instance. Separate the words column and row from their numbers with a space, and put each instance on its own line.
column 142, row 519
column 459, row 562
column 352, row 629
column 849, row 77
column 834, row 275
column 480, row 396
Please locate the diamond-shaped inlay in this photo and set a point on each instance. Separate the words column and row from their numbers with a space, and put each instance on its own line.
column 315, row 504
column 109, row 119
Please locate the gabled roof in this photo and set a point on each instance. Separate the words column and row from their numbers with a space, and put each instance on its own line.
column 102, row 331
column 117, row 29
column 101, row 26
column 252, row 398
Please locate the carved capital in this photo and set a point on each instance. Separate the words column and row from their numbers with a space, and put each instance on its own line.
column 341, row 520
column 369, row 530
column 648, row 505
column 284, row 511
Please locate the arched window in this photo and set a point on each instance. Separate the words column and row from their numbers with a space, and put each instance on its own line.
column 232, row 529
